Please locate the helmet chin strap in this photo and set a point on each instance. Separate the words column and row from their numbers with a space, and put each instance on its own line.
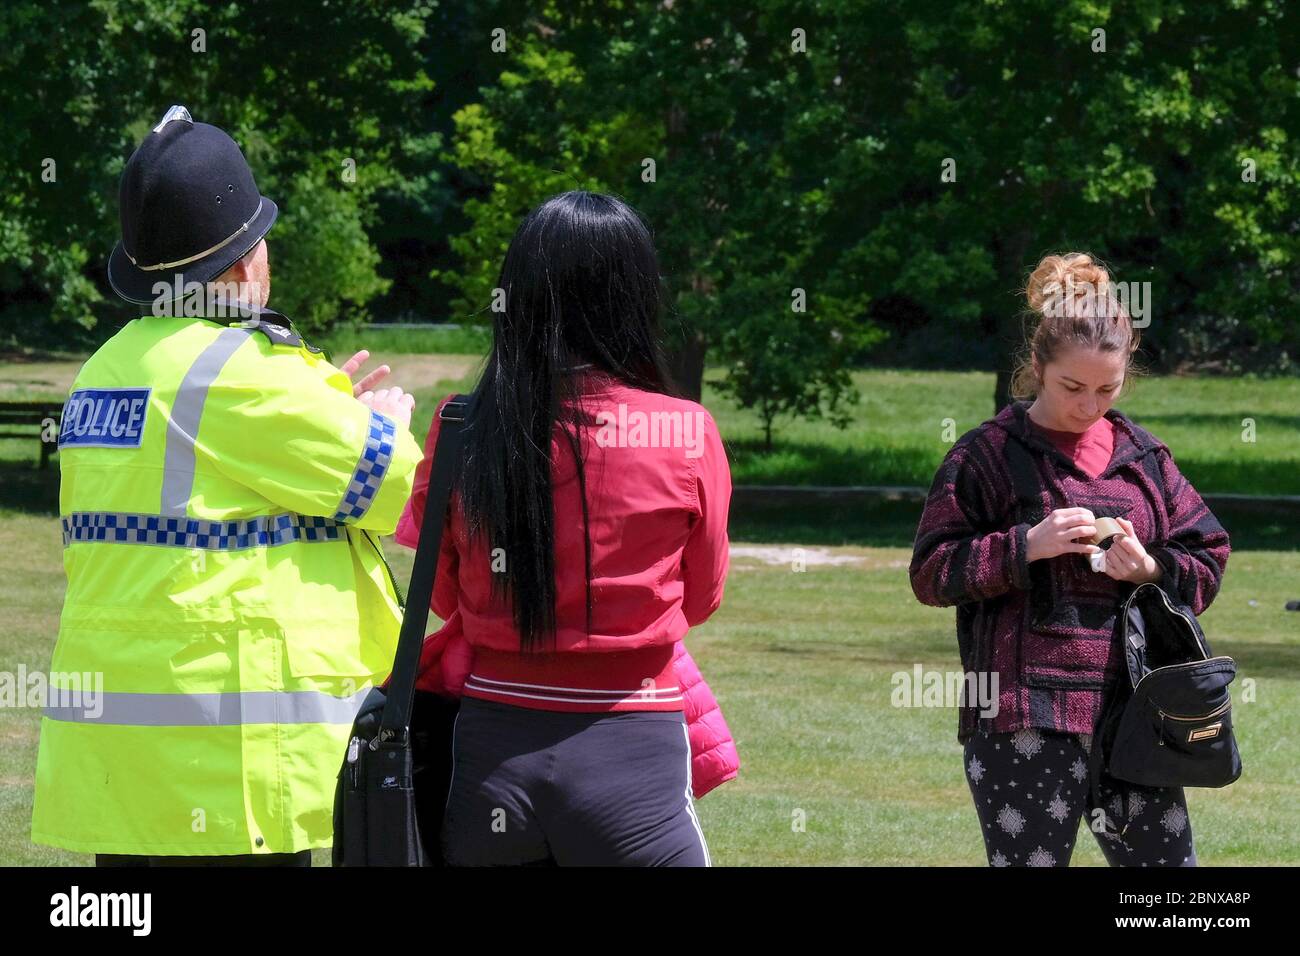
column 198, row 255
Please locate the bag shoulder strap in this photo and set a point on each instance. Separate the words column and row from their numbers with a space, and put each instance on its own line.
column 446, row 456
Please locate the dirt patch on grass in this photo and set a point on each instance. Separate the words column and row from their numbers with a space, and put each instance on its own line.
column 414, row 372
column 811, row 557
column 20, row 733
column 780, row 554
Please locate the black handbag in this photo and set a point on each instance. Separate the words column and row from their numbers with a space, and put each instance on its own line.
column 1169, row 721
column 392, row 787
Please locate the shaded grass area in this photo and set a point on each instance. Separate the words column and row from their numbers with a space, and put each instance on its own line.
column 874, row 521
column 862, row 521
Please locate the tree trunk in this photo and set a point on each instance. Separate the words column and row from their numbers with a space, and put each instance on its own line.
column 1009, row 256
column 687, row 366
column 1008, row 331
column 686, row 356
column 1002, row 390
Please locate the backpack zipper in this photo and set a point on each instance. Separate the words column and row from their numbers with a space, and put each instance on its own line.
column 1214, row 713
column 1163, row 716
column 1221, row 709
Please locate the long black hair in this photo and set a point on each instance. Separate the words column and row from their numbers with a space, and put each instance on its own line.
column 581, row 286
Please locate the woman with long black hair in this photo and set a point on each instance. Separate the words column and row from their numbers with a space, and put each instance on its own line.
column 587, row 532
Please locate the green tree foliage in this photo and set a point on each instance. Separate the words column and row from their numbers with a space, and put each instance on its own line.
column 1123, row 129
column 789, row 154
column 301, row 87
column 592, row 96
column 1119, row 128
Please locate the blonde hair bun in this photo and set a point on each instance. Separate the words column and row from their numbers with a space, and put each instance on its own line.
column 1074, row 284
column 1073, row 303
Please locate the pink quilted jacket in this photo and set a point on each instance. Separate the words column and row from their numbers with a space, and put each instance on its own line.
column 448, row 658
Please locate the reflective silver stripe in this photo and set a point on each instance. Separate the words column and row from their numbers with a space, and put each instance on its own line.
column 183, row 423
column 207, row 710
column 263, row 531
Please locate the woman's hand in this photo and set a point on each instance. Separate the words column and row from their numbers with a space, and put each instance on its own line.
column 1127, row 560
column 1056, row 534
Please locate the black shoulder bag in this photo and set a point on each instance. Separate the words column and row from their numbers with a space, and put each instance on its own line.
column 392, row 788
column 1169, row 722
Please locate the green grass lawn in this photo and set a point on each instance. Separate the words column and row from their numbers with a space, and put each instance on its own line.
column 801, row 661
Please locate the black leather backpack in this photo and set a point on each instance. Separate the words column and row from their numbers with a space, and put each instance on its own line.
column 1169, row 722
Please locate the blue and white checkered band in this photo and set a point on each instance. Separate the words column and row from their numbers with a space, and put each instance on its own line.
column 375, row 459
column 261, row 532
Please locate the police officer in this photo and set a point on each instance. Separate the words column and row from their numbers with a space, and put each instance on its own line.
column 223, row 487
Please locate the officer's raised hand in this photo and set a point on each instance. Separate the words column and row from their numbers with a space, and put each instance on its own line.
column 392, row 402
column 349, row 368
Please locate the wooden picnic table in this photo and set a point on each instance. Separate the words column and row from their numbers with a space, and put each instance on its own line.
column 30, row 420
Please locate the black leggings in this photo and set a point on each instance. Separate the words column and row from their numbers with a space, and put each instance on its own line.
column 538, row 787
column 1031, row 788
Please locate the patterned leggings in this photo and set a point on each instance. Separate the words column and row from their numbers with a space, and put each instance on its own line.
column 1031, row 789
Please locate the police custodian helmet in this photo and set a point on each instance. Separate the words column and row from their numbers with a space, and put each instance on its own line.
column 189, row 209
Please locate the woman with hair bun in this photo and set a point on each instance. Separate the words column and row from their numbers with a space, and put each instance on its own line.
column 1004, row 538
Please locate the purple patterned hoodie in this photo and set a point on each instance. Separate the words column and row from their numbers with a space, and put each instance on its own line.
column 1047, row 629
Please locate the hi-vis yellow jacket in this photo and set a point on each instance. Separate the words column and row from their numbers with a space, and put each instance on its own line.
column 227, row 604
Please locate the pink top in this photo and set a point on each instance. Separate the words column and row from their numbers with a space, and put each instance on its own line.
column 1090, row 450
column 658, row 490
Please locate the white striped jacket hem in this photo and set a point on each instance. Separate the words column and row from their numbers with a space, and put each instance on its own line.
column 572, row 695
